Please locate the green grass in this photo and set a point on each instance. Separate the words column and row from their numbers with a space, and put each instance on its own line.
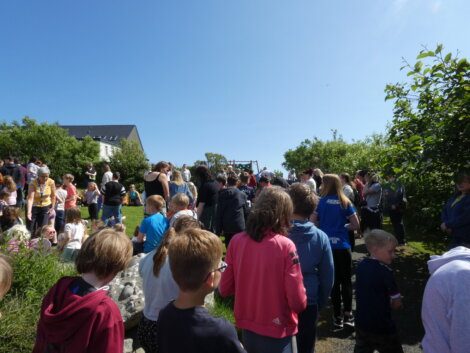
column 133, row 214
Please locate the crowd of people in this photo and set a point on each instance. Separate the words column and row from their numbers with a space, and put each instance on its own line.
column 288, row 252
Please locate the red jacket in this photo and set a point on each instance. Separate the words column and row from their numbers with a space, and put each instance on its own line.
column 266, row 279
column 74, row 324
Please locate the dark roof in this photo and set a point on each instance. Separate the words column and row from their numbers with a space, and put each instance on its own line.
column 106, row 133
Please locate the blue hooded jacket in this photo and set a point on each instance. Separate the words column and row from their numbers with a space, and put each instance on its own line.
column 456, row 216
column 316, row 261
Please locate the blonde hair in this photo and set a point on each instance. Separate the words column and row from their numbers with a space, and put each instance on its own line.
column 105, row 253
column 193, row 189
column 272, row 212
column 177, row 179
column 93, row 185
column 6, row 275
column 182, row 223
column 69, row 177
column 331, row 185
column 156, row 201
column 180, row 200
column 9, row 183
column 194, row 253
column 378, row 238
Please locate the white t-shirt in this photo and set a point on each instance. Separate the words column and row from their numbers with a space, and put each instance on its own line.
column 349, row 192
column 312, row 185
column 75, row 231
column 60, row 196
column 158, row 291
column 108, row 176
column 186, row 175
column 178, row 214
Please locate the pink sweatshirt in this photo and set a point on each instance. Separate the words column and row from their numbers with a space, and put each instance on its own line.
column 266, row 279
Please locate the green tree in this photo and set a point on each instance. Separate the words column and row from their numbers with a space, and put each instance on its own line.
column 131, row 162
column 49, row 142
column 336, row 155
column 430, row 133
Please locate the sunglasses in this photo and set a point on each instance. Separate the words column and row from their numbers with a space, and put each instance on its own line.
column 222, row 267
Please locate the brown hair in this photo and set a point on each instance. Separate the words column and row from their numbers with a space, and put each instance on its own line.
column 271, row 212
column 303, row 199
column 69, row 177
column 160, row 165
column 105, row 253
column 10, row 213
column 73, row 215
column 193, row 255
column 244, row 177
column 180, row 200
column 332, row 186
column 156, row 201
column 6, row 275
column 378, row 238
column 182, row 223
column 9, row 183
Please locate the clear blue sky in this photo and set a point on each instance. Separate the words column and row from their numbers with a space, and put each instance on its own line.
column 247, row 78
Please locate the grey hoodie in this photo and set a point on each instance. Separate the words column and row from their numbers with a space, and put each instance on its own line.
column 446, row 303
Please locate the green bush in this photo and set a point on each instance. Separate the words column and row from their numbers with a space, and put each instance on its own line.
column 34, row 274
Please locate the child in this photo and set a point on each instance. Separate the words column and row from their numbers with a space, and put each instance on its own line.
column 77, row 315
column 10, row 188
column 185, row 325
column 43, row 239
column 16, row 237
column 71, row 200
column 158, row 284
column 264, row 275
column 179, row 207
column 61, row 195
column 316, row 262
column 153, row 227
column 10, row 217
column 376, row 295
column 133, row 197
column 71, row 240
column 4, row 195
column 91, row 197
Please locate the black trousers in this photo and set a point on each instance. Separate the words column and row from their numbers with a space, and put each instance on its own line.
column 396, row 218
column 342, row 287
column 371, row 219
column 369, row 342
column 307, row 333
column 93, row 211
column 39, row 218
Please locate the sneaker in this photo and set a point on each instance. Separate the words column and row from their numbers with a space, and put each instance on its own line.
column 337, row 324
column 349, row 320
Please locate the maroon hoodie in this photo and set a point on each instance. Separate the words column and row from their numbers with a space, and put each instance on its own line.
column 74, row 324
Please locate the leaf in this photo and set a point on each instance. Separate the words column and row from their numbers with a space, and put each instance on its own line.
column 439, row 48
column 418, row 66
column 425, row 54
column 448, row 57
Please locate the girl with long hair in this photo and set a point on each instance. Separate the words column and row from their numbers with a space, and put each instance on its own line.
column 336, row 216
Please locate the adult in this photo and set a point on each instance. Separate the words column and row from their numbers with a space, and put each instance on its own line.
column 20, row 183
column 359, row 181
column 371, row 212
column 456, row 212
column 156, row 182
column 207, row 197
column 71, row 200
column 318, row 177
column 336, row 216
column 252, row 179
column 291, row 177
column 32, row 169
column 107, row 174
column 41, row 199
column 90, row 174
column 178, row 185
column 10, row 168
column 350, row 192
column 394, row 204
column 113, row 193
column 186, row 173
column 245, row 188
column 307, row 178
column 316, row 262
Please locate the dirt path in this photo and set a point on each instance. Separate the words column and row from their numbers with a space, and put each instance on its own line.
column 411, row 274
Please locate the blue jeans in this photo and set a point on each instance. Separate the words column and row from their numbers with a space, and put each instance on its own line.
column 110, row 211
column 307, row 329
column 255, row 343
column 59, row 220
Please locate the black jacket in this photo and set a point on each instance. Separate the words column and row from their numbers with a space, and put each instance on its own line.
column 231, row 211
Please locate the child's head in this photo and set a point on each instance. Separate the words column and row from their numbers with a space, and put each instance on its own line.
column 10, row 213
column 92, row 186
column 303, row 199
column 232, row 179
column 68, row 179
column 9, row 183
column 331, row 185
column 6, row 275
column 244, row 177
column 195, row 258
column 381, row 245
column 222, row 180
column 58, row 183
column 73, row 215
column 120, row 227
column 104, row 254
column 177, row 178
column 46, row 232
column 154, row 204
column 4, row 194
column 179, row 202
column 271, row 212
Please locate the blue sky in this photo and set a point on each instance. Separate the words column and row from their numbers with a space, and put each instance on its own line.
column 247, row 78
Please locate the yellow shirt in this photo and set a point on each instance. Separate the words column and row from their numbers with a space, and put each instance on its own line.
column 42, row 193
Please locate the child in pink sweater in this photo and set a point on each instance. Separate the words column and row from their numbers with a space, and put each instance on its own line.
column 264, row 275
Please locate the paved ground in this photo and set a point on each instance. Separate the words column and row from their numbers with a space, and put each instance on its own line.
column 411, row 275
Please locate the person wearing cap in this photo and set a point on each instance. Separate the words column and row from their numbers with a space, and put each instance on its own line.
column 41, row 200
